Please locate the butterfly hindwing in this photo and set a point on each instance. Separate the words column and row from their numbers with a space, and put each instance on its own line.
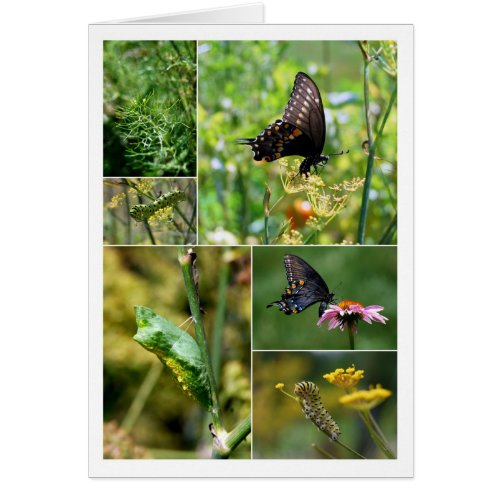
column 278, row 140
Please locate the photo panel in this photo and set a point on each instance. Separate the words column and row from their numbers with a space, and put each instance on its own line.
column 149, row 108
column 158, row 397
column 350, row 290
column 149, row 211
column 287, row 138
column 324, row 405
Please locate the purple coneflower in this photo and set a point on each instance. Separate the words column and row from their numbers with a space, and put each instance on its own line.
column 347, row 313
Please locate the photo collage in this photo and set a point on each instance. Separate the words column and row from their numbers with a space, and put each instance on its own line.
column 250, row 249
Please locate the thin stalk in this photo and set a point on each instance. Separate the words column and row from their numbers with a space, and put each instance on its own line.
column 276, row 202
column 220, row 313
column 376, row 426
column 267, row 197
column 142, row 395
column 377, row 439
column 380, row 130
column 372, row 147
column 128, row 225
column 191, row 222
column 321, row 451
column 184, row 218
column 351, row 338
column 350, row 449
column 185, row 261
column 371, row 155
column 389, row 232
column 150, row 233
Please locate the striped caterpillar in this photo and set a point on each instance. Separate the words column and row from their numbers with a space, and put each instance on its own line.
column 313, row 409
column 144, row 212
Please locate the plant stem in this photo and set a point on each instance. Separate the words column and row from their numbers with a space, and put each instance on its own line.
column 377, row 439
column 220, row 313
column 239, row 433
column 372, row 146
column 267, row 197
column 150, row 233
column 184, row 218
column 371, row 154
column 389, row 232
column 225, row 443
column 186, row 262
column 142, row 395
column 351, row 338
column 350, row 449
column 380, row 130
column 321, row 451
column 376, row 426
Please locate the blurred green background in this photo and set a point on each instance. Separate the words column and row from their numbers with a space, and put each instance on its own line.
column 280, row 429
column 171, row 425
column 149, row 114
column 120, row 228
column 366, row 274
column 243, row 87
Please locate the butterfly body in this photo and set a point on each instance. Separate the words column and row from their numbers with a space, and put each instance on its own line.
column 305, row 288
column 300, row 132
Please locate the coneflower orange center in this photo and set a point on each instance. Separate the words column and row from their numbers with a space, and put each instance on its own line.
column 345, row 304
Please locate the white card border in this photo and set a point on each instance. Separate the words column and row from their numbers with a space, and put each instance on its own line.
column 400, row 467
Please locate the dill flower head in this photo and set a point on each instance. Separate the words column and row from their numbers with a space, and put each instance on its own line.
column 292, row 237
column 345, row 379
column 365, row 399
column 293, row 181
column 347, row 314
column 163, row 215
column 116, row 201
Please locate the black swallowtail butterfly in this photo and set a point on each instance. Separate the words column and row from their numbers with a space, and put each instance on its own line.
column 313, row 409
column 144, row 212
column 300, row 132
column 305, row 287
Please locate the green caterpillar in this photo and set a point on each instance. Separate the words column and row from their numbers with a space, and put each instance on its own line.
column 313, row 409
column 144, row 212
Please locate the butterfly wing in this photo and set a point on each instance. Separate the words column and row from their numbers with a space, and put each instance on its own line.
column 278, row 140
column 305, row 111
column 305, row 287
column 302, row 130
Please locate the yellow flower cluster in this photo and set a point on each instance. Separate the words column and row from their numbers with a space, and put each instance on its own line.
column 326, row 201
column 163, row 215
column 345, row 379
column 365, row 399
column 142, row 185
column 292, row 237
column 116, row 201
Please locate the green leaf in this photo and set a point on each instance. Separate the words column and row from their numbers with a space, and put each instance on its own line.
column 177, row 350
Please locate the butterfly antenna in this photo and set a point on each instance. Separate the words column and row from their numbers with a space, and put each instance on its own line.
column 338, row 286
column 339, row 153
